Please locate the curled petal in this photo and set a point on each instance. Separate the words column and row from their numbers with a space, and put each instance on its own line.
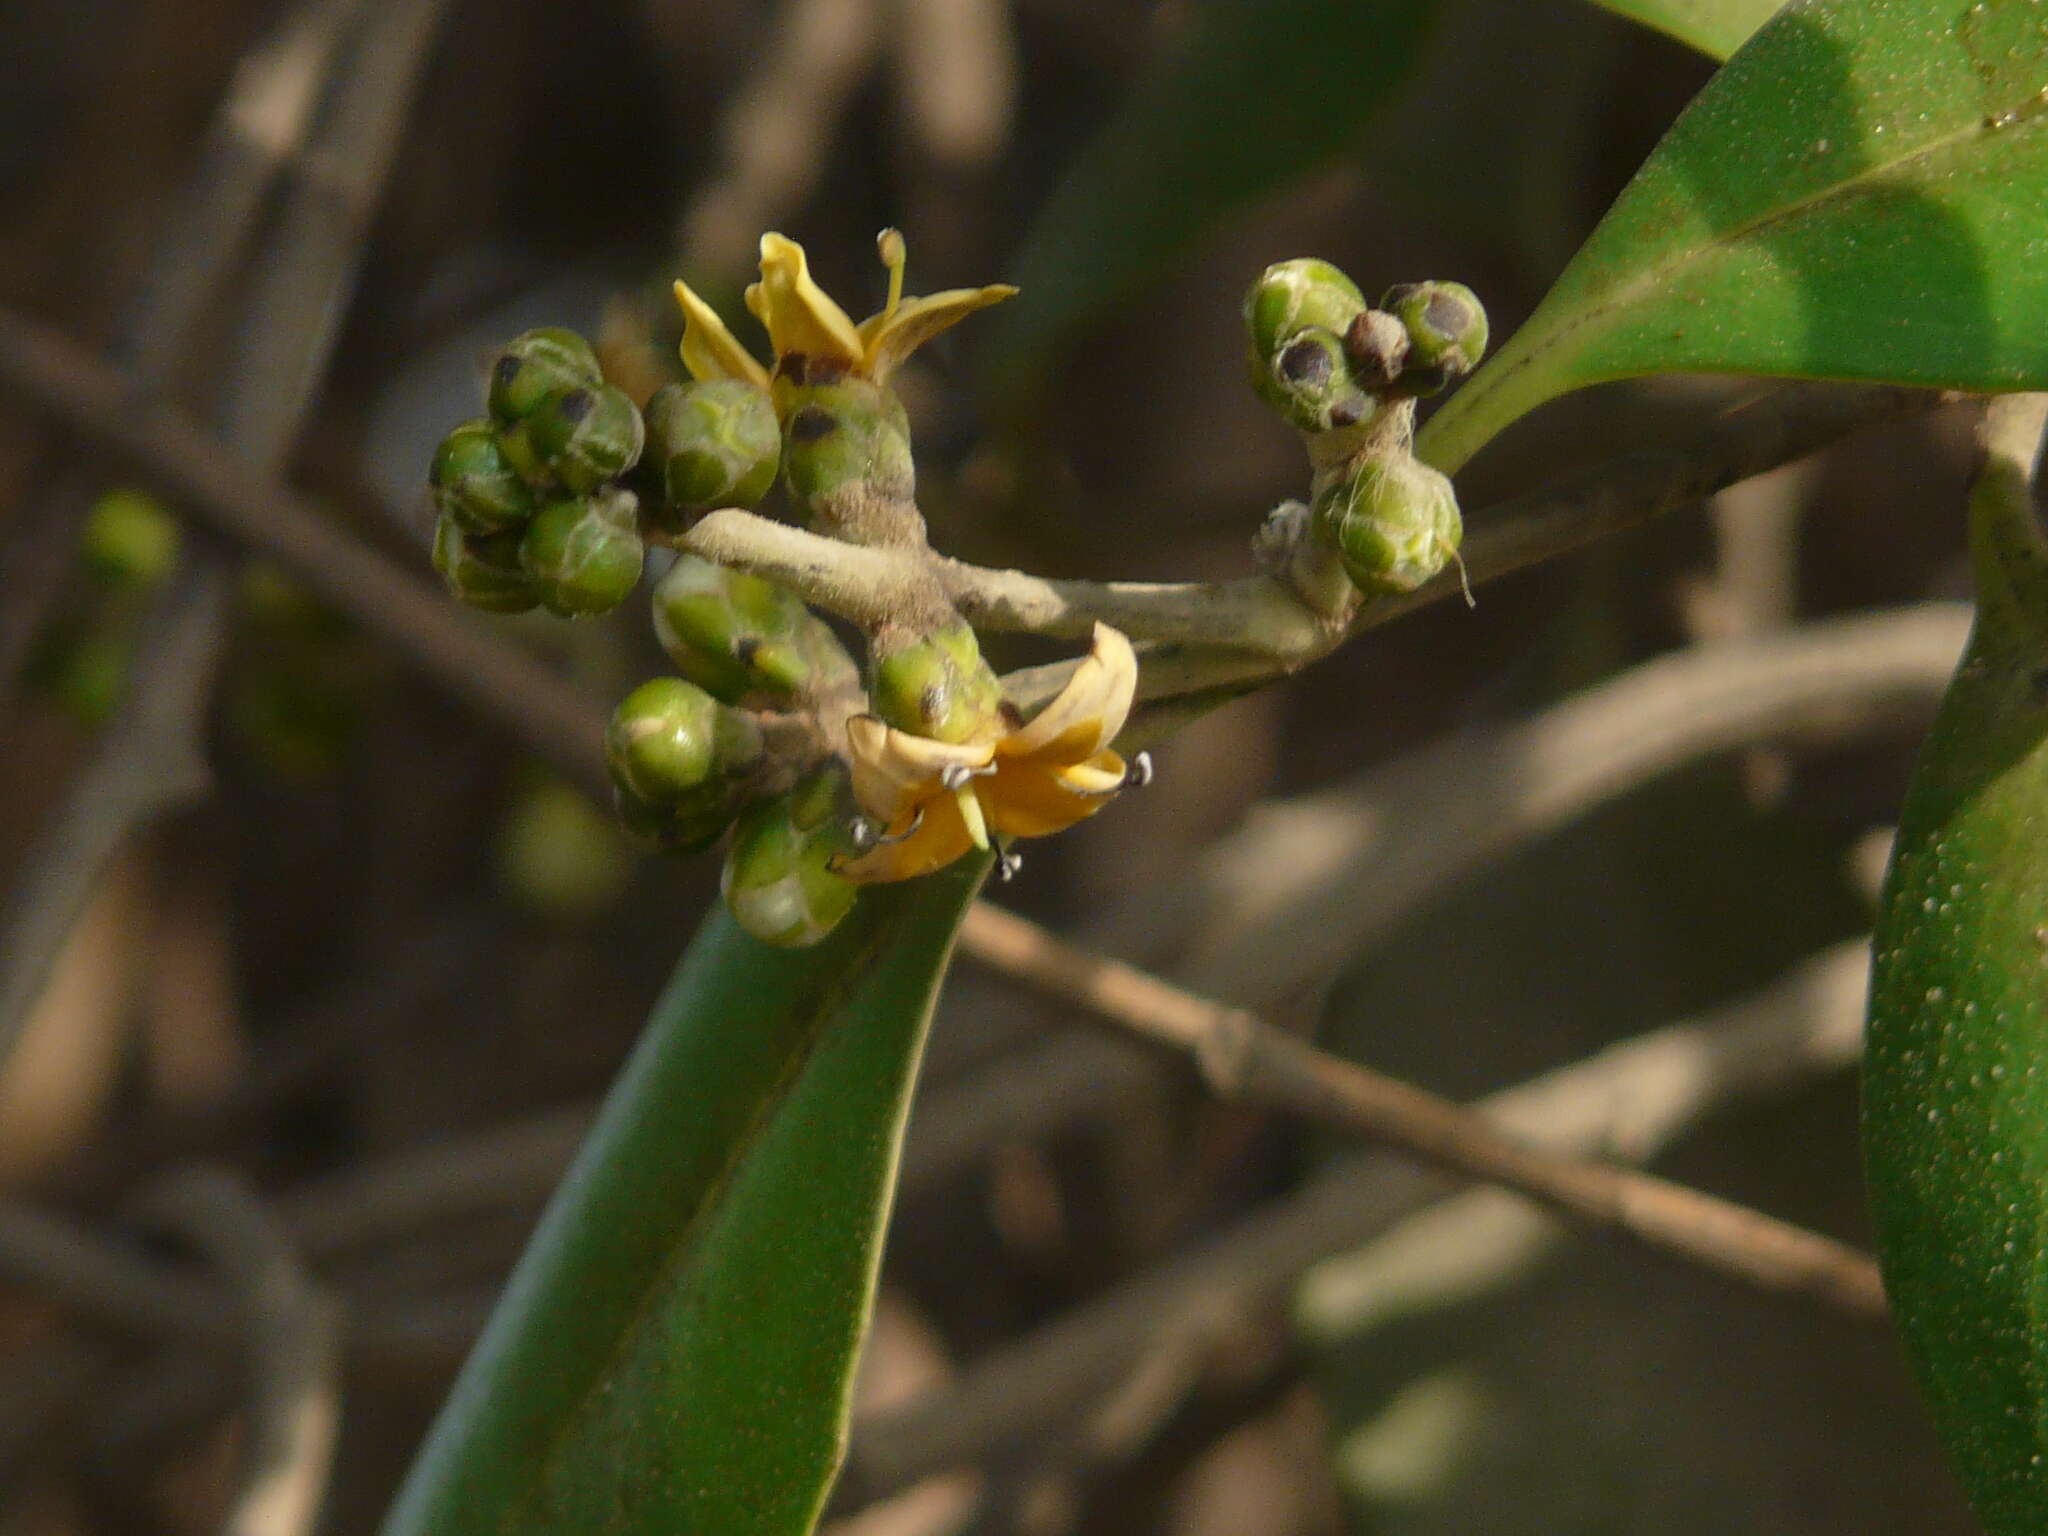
column 916, row 847
column 710, row 351
column 1087, row 714
column 894, row 772
column 800, row 316
column 891, row 336
column 1037, row 799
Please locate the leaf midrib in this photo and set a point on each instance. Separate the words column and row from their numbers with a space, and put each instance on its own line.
column 861, row 965
column 1616, row 299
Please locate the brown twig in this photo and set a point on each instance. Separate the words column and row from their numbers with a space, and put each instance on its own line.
column 260, row 129
column 1241, row 1056
column 1305, row 884
column 153, row 757
column 1807, row 1024
column 553, row 718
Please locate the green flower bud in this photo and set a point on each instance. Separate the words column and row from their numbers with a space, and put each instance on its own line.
column 130, row 540
column 848, row 435
column 779, row 879
column 475, row 483
column 584, row 437
column 483, row 571
column 669, row 738
column 1292, row 296
column 584, row 552
column 936, row 686
column 715, row 443
column 537, row 365
column 1310, row 382
column 1446, row 327
column 1393, row 522
column 743, row 639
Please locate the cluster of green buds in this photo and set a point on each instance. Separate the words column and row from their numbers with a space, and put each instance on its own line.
column 531, row 509
column 826, row 778
column 1346, row 374
column 694, row 754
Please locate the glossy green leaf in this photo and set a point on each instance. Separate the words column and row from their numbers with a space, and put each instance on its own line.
column 1857, row 194
column 1955, row 1098
column 1715, row 27
column 674, row 1352
column 1254, row 96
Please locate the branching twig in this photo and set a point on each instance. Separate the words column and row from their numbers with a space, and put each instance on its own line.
column 1305, row 885
column 147, row 763
column 1807, row 1024
column 260, row 128
column 1241, row 1056
column 553, row 718
column 1258, row 626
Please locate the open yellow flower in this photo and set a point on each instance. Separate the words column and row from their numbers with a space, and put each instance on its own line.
column 803, row 321
column 935, row 800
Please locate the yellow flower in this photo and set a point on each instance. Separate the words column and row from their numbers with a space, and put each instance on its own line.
column 803, row 322
column 935, row 799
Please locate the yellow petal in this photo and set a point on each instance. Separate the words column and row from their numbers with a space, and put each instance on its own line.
column 800, row 316
column 894, row 771
column 1032, row 799
column 710, row 351
column 932, row 843
column 1086, row 714
column 890, row 337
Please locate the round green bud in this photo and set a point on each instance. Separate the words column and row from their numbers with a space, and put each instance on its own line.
column 669, row 738
column 715, row 443
column 536, row 365
column 1292, row 296
column 1392, row 521
column 849, row 435
column 779, row 878
column 585, row 437
column 584, row 552
column 1310, row 382
column 475, row 483
column 130, row 540
column 937, row 686
column 743, row 639
column 1446, row 327
column 484, row 571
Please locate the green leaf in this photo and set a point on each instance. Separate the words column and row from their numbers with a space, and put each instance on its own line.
column 674, row 1352
column 1955, row 1108
column 1257, row 95
column 1857, row 194
column 1715, row 27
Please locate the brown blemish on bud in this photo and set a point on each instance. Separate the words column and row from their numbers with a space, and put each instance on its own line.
column 1304, row 363
column 575, row 405
column 1446, row 314
column 812, row 423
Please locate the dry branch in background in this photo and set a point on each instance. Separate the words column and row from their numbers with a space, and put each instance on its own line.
column 1806, row 1025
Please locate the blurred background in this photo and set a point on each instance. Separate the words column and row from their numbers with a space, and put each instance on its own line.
column 311, row 971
